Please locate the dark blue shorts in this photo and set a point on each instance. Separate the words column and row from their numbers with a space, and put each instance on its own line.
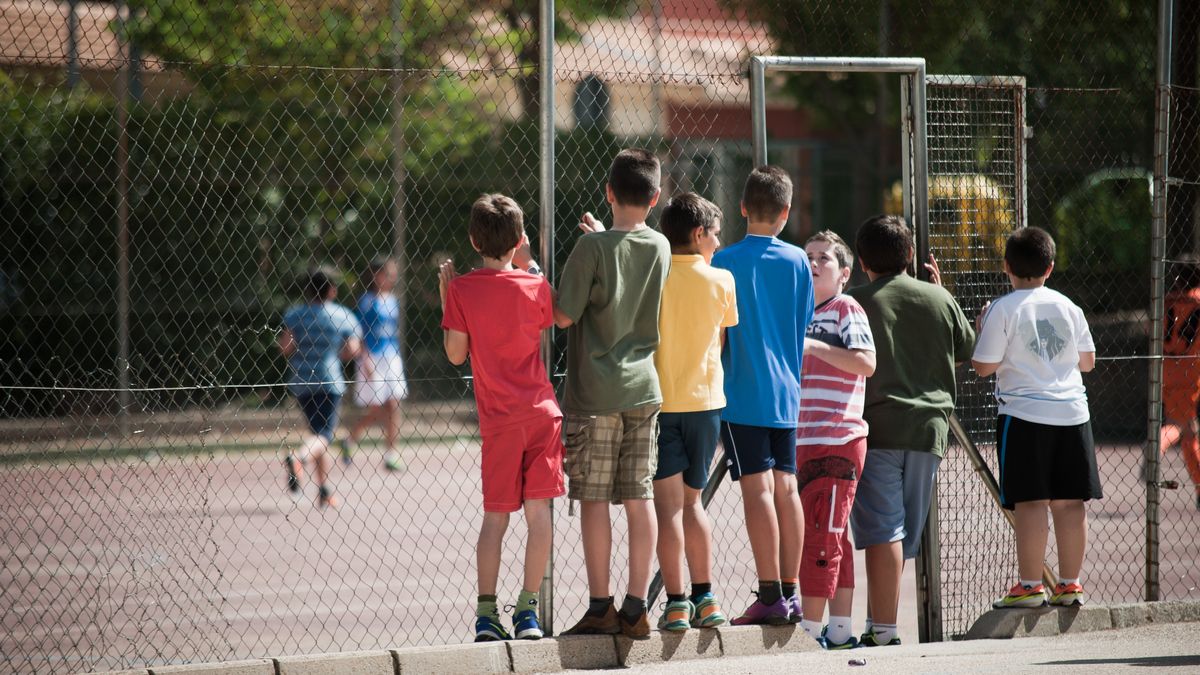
column 686, row 444
column 320, row 411
column 756, row 449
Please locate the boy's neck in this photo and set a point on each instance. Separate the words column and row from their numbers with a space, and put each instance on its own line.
column 766, row 228
column 817, row 299
column 872, row 276
column 1020, row 284
column 629, row 218
column 684, row 250
column 499, row 264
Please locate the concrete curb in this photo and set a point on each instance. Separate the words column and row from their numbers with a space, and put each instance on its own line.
column 1002, row 624
column 588, row 652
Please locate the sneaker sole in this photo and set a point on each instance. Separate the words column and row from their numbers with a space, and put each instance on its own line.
column 710, row 623
column 1020, row 604
column 1067, row 602
column 530, row 634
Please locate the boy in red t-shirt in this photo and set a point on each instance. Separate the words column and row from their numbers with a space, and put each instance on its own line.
column 519, row 418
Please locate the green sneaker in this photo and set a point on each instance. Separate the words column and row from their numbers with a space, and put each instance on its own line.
column 706, row 612
column 488, row 629
column 347, row 447
column 870, row 640
column 678, row 616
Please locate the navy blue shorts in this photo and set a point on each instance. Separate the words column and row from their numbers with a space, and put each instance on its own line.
column 686, row 444
column 756, row 449
column 320, row 411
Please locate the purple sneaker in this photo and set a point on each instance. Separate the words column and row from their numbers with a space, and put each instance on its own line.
column 777, row 613
column 797, row 609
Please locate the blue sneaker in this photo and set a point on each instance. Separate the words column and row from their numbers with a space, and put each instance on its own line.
column 526, row 625
column 850, row 643
column 488, row 629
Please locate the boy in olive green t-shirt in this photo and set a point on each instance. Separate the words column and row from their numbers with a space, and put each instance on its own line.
column 608, row 299
column 920, row 333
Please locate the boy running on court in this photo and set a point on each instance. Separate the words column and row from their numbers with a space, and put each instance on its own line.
column 698, row 303
column 1037, row 342
column 608, row 298
column 380, row 384
column 496, row 315
column 317, row 336
column 831, row 439
column 920, row 333
column 762, row 363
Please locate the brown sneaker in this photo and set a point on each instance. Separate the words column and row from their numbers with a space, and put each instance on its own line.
column 636, row 630
column 608, row 624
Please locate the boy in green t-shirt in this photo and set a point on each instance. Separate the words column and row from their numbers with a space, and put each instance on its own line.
column 920, row 333
column 608, row 299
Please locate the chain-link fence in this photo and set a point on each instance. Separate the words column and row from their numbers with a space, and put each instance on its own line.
column 168, row 168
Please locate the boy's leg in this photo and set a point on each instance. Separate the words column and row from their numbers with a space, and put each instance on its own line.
column 668, row 506
column 791, row 522
column 643, row 532
column 1070, row 532
column 878, row 520
column 636, row 466
column 697, row 537
column 597, row 545
column 885, row 565
column 537, row 547
column 487, row 550
column 1032, row 530
column 762, row 523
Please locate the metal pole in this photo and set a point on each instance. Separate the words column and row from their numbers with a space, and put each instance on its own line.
column 124, row 396
column 546, row 219
column 1158, row 248
column 72, row 44
column 920, row 221
column 399, row 170
column 758, row 109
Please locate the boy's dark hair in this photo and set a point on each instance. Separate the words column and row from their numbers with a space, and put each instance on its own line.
column 1029, row 252
column 496, row 225
column 767, row 193
column 885, row 244
column 684, row 213
column 841, row 250
column 634, row 177
column 375, row 267
column 317, row 282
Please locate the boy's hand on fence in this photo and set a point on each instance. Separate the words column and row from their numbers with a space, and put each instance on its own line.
column 523, row 258
column 446, row 274
column 589, row 224
column 935, row 273
column 979, row 319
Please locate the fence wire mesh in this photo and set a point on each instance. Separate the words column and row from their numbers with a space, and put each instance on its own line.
column 179, row 163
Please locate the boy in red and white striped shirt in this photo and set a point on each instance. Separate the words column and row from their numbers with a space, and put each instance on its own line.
column 831, row 439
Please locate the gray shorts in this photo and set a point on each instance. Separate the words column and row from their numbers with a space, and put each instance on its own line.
column 893, row 498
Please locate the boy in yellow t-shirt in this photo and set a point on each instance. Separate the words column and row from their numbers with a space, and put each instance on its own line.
column 698, row 303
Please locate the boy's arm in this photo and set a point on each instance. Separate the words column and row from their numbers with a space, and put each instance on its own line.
column 456, row 342
column 853, row 361
column 984, row 369
column 287, row 343
column 351, row 348
column 987, row 343
column 1087, row 362
column 575, row 285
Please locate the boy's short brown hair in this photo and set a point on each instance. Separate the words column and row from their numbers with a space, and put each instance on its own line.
column 841, row 250
column 496, row 225
column 317, row 281
column 885, row 244
column 684, row 213
column 634, row 177
column 1029, row 252
column 767, row 193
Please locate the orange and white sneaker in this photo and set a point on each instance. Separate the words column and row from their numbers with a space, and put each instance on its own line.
column 1067, row 595
column 1022, row 596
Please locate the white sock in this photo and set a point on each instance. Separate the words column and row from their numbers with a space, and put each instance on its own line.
column 1068, row 582
column 813, row 628
column 884, row 632
column 839, row 629
column 1027, row 583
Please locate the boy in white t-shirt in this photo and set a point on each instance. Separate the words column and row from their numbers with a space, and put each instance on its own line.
column 1037, row 342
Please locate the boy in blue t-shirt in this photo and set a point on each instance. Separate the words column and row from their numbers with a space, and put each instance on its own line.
column 317, row 336
column 762, row 362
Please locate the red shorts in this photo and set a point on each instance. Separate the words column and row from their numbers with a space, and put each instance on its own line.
column 827, row 476
column 523, row 461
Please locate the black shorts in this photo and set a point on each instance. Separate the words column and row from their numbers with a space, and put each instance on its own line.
column 1043, row 461
column 750, row 449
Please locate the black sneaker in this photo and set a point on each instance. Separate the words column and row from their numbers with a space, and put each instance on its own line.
column 294, row 471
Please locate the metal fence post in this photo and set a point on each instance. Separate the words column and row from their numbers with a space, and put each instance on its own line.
column 399, row 169
column 546, row 219
column 1158, row 248
column 124, row 396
